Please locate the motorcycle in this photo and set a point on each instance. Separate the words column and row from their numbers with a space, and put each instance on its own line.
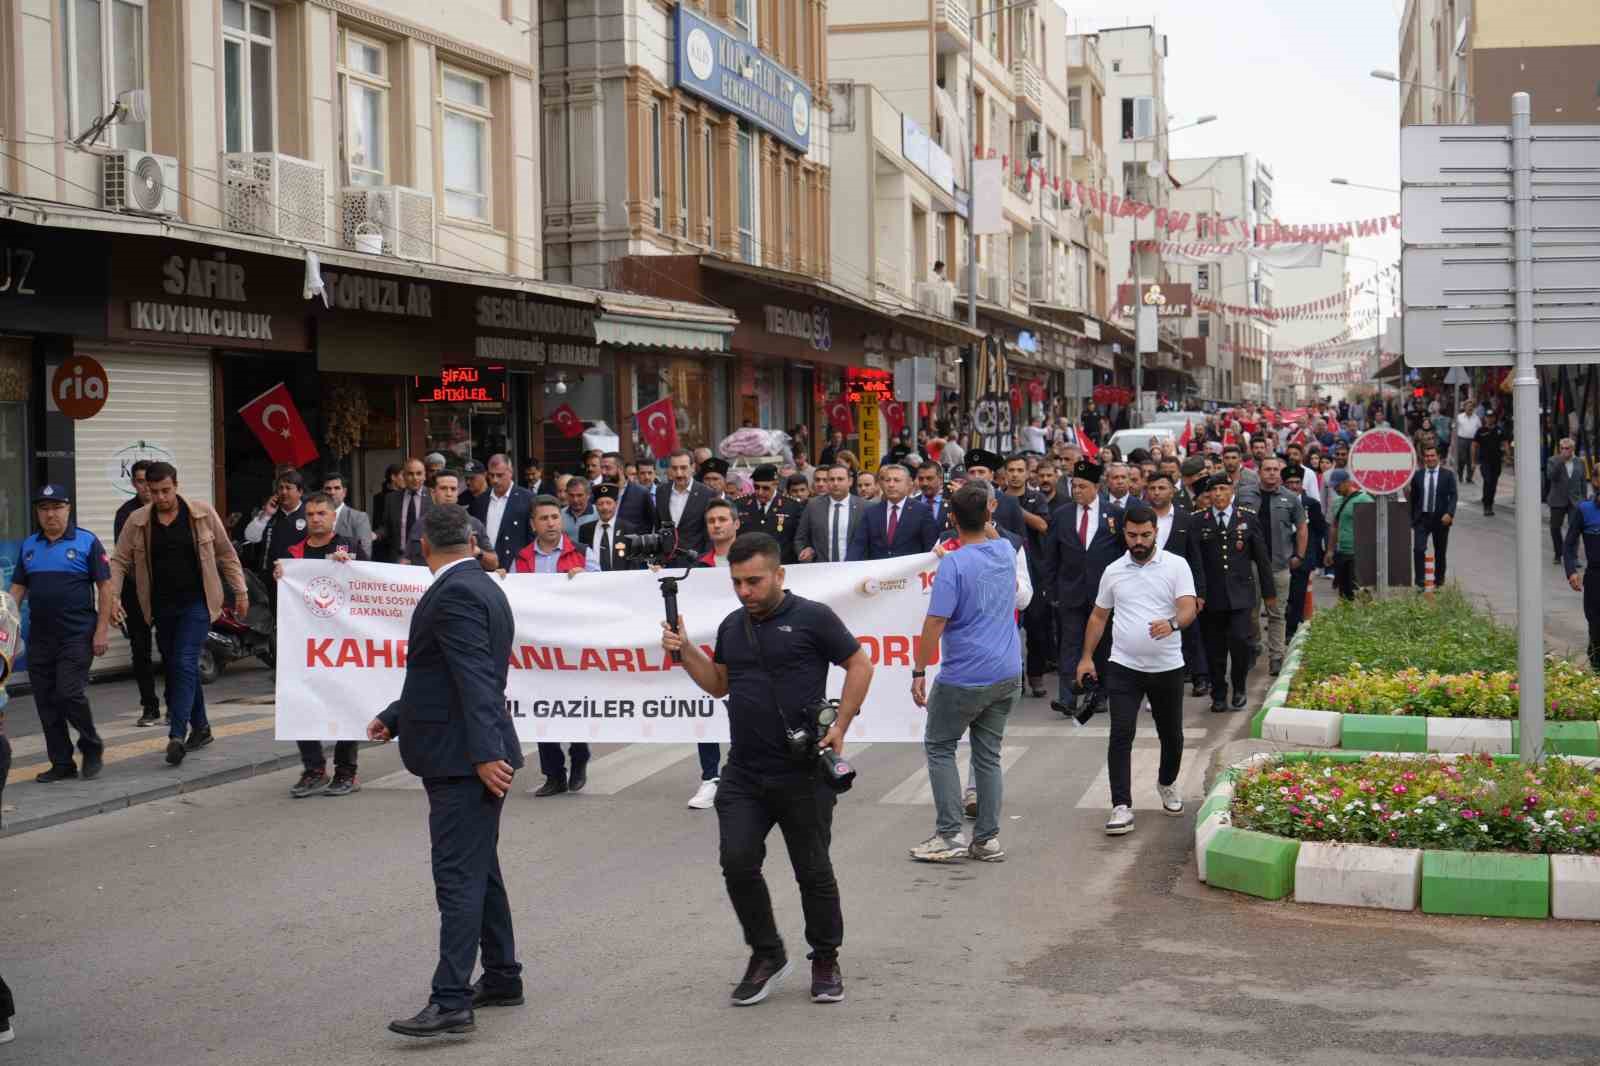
column 233, row 637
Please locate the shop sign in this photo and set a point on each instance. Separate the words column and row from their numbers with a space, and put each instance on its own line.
column 871, row 444
column 16, row 271
column 525, row 350
column 714, row 65
column 464, row 384
column 52, row 281
column 119, row 468
column 78, row 388
column 517, row 312
column 897, row 341
column 1170, row 301
column 216, row 298
column 814, row 326
column 379, row 294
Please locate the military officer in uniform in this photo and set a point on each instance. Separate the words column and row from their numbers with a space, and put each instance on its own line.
column 764, row 511
column 1236, row 561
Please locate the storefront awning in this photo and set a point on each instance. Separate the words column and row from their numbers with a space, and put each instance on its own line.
column 627, row 319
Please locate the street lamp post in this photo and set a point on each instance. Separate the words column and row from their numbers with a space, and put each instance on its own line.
column 1472, row 101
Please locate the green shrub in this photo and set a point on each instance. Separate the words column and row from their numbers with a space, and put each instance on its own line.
column 1572, row 693
column 1445, row 634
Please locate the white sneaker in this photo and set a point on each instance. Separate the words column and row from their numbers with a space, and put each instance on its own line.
column 7, row 1034
column 705, row 797
column 1171, row 802
column 940, row 849
column 1120, row 822
column 989, row 851
column 969, row 803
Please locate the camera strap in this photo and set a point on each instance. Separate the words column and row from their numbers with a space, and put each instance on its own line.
column 761, row 661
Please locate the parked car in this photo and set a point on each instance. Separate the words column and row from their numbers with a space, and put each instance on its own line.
column 1126, row 440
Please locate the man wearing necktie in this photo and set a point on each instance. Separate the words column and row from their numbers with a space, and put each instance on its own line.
column 823, row 535
column 765, row 511
column 894, row 525
column 402, row 512
column 599, row 538
column 1432, row 496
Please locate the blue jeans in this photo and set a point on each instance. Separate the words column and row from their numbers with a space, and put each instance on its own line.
column 181, row 634
column 954, row 710
column 710, row 762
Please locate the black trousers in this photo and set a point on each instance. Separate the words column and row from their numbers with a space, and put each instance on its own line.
column 314, row 757
column 554, row 764
column 1295, row 613
column 141, row 642
column 1039, row 625
column 8, row 1006
column 1227, row 637
column 474, row 913
column 1558, row 520
column 59, row 669
column 1491, row 480
column 5, row 769
column 1128, row 688
column 1072, row 622
column 1194, row 654
column 1591, row 612
column 1344, row 576
column 749, row 804
column 1429, row 525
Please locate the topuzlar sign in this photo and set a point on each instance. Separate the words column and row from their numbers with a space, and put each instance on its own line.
column 586, row 663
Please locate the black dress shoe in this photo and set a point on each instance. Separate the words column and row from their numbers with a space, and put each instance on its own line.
column 175, row 751
column 577, row 778
column 1219, row 704
column 1083, row 716
column 488, row 997
column 1201, row 687
column 92, row 768
column 57, row 773
column 553, row 786
column 1275, row 667
column 1036, row 693
column 431, row 1021
column 1068, row 709
column 1238, row 701
column 198, row 738
column 148, row 718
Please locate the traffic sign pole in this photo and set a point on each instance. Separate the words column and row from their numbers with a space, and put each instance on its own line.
column 1382, row 461
column 1525, row 408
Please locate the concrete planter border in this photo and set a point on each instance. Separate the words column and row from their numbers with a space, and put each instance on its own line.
column 1485, row 884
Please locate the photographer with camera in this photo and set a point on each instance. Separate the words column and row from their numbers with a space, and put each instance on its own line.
column 786, row 760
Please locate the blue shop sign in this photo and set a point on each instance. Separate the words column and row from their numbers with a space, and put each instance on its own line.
column 737, row 77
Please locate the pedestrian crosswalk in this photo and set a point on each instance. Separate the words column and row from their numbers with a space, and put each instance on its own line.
column 632, row 765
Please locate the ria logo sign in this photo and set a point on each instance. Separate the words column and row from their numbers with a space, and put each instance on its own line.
column 324, row 596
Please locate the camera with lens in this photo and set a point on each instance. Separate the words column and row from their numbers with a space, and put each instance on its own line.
column 655, row 547
column 803, row 741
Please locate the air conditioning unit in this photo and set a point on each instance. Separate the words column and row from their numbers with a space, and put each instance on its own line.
column 275, row 195
column 388, row 220
column 132, row 180
column 996, row 288
column 936, row 297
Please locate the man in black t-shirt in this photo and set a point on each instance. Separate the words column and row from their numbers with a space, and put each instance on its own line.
column 1488, row 451
column 141, row 639
column 321, row 543
column 763, row 783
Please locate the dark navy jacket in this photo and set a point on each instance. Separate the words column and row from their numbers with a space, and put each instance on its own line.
column 915, row 533
column 1585, row 526
column 1071, row 574
column 452, row 715
column 515, row 530
column 60, row 577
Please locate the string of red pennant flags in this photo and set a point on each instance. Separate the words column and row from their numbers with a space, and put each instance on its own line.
column 1331, row 306
column 1362, row 314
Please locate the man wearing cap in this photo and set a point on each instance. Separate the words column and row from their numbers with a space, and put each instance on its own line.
column 1236, row 561
column 477, row 483
column 600, row 537
column 983, row 464
column 1192, row 471
column 714, row 476
column 765, row 512
column 1085, row 537
column 1341, row 553
column 1284, row 526
column 63, row 568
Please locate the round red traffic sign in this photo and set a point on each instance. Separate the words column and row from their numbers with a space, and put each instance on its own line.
column 1381, row 461
column 79, row 387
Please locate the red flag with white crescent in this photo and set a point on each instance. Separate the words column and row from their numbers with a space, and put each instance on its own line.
column 276, row 422
column 567, row 421
column 658, row 427
column 1188, row 435
column 1090, row 448
column 894, row 415
column 840, row 415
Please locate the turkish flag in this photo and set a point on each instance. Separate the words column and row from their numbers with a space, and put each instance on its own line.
column 658, row 426
column 1036, row 391
column 1016, row 397
column 894, row 413
column 1089, row 448
column 276, row 422
column 840, row 415
column 1188, row 435
column 567, row 421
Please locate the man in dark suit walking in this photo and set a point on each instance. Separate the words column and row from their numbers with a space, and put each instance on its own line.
column 401, row 510
column 506, row 511
column 1234, row 548
column 829, row 520
column 1566, row 477
column 682, row 504
column 1432, row 496
column 1085, row 537
column 894, row 525
column 456, row 734
column 1177, row 533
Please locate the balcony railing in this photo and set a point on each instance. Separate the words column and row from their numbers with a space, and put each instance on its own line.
column 1027, row 84
column 954, row 23
column 1084, row 54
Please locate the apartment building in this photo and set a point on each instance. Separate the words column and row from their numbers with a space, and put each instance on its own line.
column 1336, row 272
column 1461, row 60
column 202, row 201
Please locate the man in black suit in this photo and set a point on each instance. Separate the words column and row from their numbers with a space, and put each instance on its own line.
column 1234, row 548
column 600, row 537
column 506, row 511
column 1085, row 537
column 1432, row 497
column 983, row 465
column 401, row 510
column 894, row 525
column 1566, row 477
column 764, row 511
column 683, row 504
column 930, row 493
column 456, row 734
column 636, row 501
column 1176, row 533
column 1316, row 544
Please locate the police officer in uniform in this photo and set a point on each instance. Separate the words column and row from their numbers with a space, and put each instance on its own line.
column 1585, row 526
column 764, row 511
column 1234, row 551
column 62, row 567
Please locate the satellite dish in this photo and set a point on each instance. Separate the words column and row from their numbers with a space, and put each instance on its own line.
column 1155, row 168
column 134, row 105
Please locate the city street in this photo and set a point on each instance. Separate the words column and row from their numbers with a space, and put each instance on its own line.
column 233, row 924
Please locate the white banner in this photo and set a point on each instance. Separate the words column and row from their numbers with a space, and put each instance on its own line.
column 988, row 180
column 587, row 662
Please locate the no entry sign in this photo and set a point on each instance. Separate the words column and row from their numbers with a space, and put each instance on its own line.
column 1381, row 461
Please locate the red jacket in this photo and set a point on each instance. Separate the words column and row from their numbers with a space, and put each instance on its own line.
column 571, row 557
column 297, row 550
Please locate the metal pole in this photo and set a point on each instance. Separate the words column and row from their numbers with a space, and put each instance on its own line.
column 972, row 177
column 1138, row 314
column 1383, row 501
column 914, row 405
column 1525, row 409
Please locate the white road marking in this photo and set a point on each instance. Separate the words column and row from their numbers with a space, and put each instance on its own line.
column 916, row 791
column 124, row 729
column 626, row 766
column 1146, row 764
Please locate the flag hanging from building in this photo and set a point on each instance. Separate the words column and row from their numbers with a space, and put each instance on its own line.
column 840, row 416
column 658, row 427
column 894, row 415
column 567, row 421
column 276, row 422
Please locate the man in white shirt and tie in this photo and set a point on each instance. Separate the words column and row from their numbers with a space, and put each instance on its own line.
column 825, row 528
column 1432, row 496
column 403, row 510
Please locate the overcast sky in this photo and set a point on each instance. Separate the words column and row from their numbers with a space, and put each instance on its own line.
column 1289, row 82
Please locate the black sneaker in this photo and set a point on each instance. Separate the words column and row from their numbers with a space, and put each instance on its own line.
column 175, row 751
column 57, row 773
column 311, row 782
column 1275, row 667
column 1202, row 687
column 92, row 767
column 1064, row 708
column 826, row 984
column 489, row 997
column 759, row 977
column 1239, row 700
column 198, row 738
column 344, row 782
column 149, row 718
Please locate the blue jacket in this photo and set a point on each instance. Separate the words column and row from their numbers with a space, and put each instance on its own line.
column 452, row 715
column 914, row 534
column 1585, row 526
column 516, row 525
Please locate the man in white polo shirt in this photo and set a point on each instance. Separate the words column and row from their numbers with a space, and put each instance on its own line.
column 1150, row 594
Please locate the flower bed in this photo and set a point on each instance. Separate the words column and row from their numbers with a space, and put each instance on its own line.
column 1572, row 693
column 1444, row 634
column 1473, row 803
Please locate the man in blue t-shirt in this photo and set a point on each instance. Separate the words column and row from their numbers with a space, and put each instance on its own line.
column 61, row 570
column 972, row 612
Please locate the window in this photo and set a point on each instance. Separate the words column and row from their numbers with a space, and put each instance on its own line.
column 464, row 100
column 744, row 19
column 106, row 45
column 1138, row 117
column 1075, row 107
column 710, row 186
column 247, row 77
column 683, row 175
column 655, row 160
column 366, row 78
column 747, row 195
column 1205, row 326
column 1116, row 66
column 1202, row 280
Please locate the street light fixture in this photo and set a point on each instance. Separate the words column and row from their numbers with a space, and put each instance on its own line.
column 1358, row 185
column 1472, row 101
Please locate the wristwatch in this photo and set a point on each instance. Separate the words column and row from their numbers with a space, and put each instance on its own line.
column 918, row 673
column 1173, row 622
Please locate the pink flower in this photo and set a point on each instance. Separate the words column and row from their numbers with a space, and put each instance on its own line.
column 1336, row 792
column 1399, row 790
column 1394, row 836
column 1408, row 776
column 1469, row 813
